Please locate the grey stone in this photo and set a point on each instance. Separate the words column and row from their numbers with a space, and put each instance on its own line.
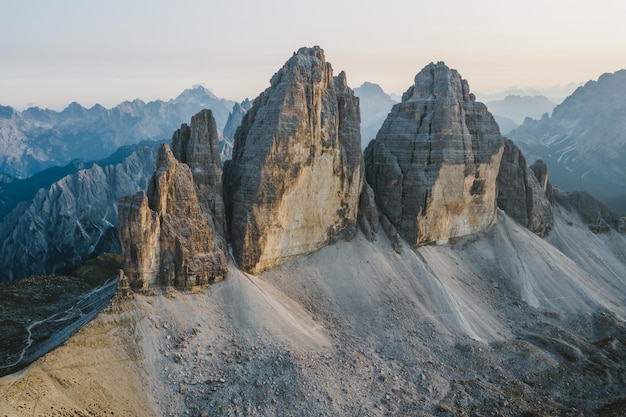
column 294, row 181
column 173, row 236
column 434, row 162
column 522, row 191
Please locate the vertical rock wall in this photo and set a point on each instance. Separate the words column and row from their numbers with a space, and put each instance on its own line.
column 522, row 191
column 434, row 162
column 174, row 235
column 294, row 181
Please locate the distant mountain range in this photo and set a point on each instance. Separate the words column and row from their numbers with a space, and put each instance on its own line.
column 375, row 106
column 584, row 141
column 36, row 139
column 511, row 111
column 63, row 215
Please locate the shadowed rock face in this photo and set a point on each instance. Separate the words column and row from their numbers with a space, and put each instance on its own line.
column 595, row 214
column 434, row 162
column 294, row 182
column 174, row 235
column 523, row 191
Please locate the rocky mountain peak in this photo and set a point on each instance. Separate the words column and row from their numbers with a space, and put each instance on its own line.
column 197, row 93
column 165, row 158
column 438, row 81
column 307, row 63
column 174, row 236
column 434, row 162
column 294, row 181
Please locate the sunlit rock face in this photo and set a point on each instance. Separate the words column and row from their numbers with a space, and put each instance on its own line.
column 173, row 236
column 523, row 191
column 434, row 162
column 294, row 181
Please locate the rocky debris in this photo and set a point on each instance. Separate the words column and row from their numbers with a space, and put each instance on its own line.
column 522, row 190
column 72, row 219
column 173, row 236
column 294, row 182
column 123, row 289
column 434, row 162
column 595, row 214
column 392, row 234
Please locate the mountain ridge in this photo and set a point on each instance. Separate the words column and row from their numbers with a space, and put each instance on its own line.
column 35, row 139
column 584, row 141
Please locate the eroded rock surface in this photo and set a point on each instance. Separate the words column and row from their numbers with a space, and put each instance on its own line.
column 173, row 236
column 523, row 191
column 434, row 162
column 595, row 214
column 294, row 182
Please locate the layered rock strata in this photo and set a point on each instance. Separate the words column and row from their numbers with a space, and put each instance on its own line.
column 173, row 236
column 434, row 162
column 294, row 181
column 523, row 191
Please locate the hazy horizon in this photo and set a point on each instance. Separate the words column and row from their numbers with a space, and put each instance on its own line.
column 54, row 53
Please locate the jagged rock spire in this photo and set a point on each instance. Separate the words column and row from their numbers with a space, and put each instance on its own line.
column 174, row 235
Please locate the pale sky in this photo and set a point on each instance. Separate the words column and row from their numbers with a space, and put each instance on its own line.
column 56, row 52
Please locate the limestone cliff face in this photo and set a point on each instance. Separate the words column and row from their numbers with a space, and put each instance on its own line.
column 294, row 182
column 523, row 191
column 434, row 162
column 174, row 235
column 197, row 146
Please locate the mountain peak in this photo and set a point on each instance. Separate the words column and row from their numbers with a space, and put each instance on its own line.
column 370, row 89
column 438, row 81
column 196, row 93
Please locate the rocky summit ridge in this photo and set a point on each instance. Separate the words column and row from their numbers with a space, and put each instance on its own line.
column 438, row 170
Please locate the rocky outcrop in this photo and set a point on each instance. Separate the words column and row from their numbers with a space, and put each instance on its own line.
column 73, row 218
column 434, row 162
column 294, row 182
column 197, row 146
column 173, row 236
column 523, row 191
column 368, row 213
column 595, row 214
